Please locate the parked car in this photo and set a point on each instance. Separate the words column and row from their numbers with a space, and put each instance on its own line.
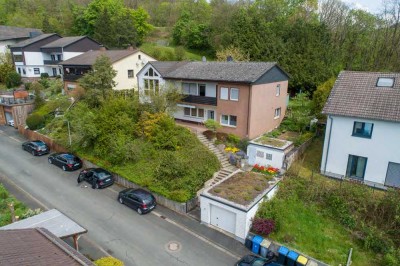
column 36, row 147
column 98, row 177
column 253, row 260
column 11, row 122
column 138, row 199
column 66, row 161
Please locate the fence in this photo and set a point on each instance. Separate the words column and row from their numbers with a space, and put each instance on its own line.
column 33, row 135
column 295, row 154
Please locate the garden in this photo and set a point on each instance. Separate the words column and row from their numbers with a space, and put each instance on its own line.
column 324, row 218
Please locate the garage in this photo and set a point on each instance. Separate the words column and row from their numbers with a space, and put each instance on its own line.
column 393, row 175
column 224, row 219
column 8, row 116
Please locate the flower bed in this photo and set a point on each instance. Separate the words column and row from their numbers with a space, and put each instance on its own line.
column 269, row 170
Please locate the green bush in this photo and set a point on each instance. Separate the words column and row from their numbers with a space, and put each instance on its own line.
column 28, row 85
column 232, row 138
column 13, row 80
column 44, row 75
column 35, row 121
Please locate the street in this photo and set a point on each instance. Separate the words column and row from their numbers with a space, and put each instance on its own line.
column 120, row 231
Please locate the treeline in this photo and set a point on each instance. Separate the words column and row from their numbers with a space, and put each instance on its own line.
column 312, row 41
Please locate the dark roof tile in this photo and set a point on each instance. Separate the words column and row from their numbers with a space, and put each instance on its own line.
column 65, row 41
column 32, row 40
column 9, row 32
column 89, row 58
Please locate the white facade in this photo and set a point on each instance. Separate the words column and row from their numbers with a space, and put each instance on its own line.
column 265, row 155
column 382, row 148
column 4, row 45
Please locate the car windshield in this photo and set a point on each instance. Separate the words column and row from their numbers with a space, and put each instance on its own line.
column 147, row 199
column 71, row 158
column 103, row 175
column 40, row 144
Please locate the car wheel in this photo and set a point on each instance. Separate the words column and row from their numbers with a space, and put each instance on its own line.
column 120, row 200
column 139, row 210
column 33, row 153
column 50, row 161
column 64, row 168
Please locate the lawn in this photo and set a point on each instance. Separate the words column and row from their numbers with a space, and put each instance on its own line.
column 5, row 214
column 324, row 218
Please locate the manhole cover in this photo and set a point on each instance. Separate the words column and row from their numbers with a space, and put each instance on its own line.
column 173, row 246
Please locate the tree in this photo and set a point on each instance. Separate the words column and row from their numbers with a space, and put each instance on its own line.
column 320, row 96
column 234, row 52
column 164, row 100
column 38, row 88
column 13, row 80
column 6, row 66
column 140, row 22
column 99, row 81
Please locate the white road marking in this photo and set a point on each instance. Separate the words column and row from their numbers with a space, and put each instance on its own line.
column 17, row 140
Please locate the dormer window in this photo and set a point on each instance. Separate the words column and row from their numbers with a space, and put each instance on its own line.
column 385, row 82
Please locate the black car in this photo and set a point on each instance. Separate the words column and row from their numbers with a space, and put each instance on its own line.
column 66, row 161
column 252, row 260
column 36, row 147
column 138, row 199
column 98, row 177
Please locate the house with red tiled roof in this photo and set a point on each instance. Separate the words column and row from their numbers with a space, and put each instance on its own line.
column 362, row 137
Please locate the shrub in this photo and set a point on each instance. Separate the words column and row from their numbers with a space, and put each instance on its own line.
column 13, row 79
column 263, row 226
column 108, row 261
column 209, row 134
column 28, row 85
column 35, row 121
column 212, row 125
column 232, row 138
column 180, row 53
column 44, row 75
column 3, row 192
column 243, row 143
column 222, row 136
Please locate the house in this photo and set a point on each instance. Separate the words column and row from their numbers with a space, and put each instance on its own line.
column 37, row 246
column 44, row 53
column 11, row 35
column 125, row 62
column 246, row 98
column 15, row 107
column 363, row 128
column 28, row 58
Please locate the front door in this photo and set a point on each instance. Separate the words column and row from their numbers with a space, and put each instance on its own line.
column 211, row 114
column 54, row 72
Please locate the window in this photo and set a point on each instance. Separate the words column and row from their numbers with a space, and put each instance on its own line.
column 36, row 71
column 151, row 86
column 224, row 93
column 19, row 70
column 18, row 58
column 201, row 113
column 278, row 90
column 186, row 111
column 139, row 56
column 385, row 82
column 189, row 88
column 24, row 71
column 260, row 154
column 229, row 120
column 53, row 57
column 356, row 166
column 59, row 57
column 151, row 73
column 194, row 112
column 277, row 112
column 130, row 73
column 234, row 94
column 60, row 71
column 71, row 86
column 268, row 156
column 202, row 89
column 362, row 129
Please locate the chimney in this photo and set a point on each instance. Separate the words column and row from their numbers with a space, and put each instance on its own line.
column 34, row 34
column 102, row 48
column 130, row 48
column 229, row 58
column 204, row 59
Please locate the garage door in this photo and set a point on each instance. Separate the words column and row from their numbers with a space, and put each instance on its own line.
column 393, row 175
column 8, row 116
column 224, row 219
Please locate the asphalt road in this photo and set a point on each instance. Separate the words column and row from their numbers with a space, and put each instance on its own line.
column 135, row 239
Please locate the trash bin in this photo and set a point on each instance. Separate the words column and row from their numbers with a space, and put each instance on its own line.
column 282, row 253
column 264, row 247
column 256, row 244
column 249, row 241
column 292, row 258
column 301, row 261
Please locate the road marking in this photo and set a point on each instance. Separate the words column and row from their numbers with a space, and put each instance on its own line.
column 113, row 190
column 17, row 140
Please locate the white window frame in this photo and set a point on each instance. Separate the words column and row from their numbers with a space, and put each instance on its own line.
column 278, row 112
column 194, row 112
column 278, row 90
column 229, row 121
column 230, row 96
column 38, row 70
column 155, row 86
column 224, row 95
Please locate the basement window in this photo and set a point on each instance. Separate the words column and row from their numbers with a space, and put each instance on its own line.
column 385, row 82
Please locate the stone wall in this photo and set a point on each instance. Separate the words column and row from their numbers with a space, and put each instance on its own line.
column 295, row 154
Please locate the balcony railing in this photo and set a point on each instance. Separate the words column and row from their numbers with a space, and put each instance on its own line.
column 51, row 62
column 200, row 99
column 72, row 77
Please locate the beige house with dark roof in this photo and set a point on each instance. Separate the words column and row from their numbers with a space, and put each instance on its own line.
column 246, row 98
column 127, row 63
column 362, row 137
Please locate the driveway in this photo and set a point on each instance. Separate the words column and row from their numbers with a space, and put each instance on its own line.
column 151, row 239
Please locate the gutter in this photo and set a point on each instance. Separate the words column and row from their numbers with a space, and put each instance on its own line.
column 249, row 110
column 329, row 143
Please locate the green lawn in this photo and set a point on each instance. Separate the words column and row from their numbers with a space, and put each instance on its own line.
column 5, row 214
column 167, row 53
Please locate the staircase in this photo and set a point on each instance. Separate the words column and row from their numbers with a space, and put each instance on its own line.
column 226, row 169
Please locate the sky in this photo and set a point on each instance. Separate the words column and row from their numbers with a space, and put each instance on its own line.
column 372, row 6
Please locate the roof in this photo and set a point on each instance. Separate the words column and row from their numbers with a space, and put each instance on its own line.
column 246, row 72
column 32, row 40
column 63, row 42
column 164, row 67
column 53, row 220
column 9, row 32
column 355, row 95
column 37, row 246
column 89, row 58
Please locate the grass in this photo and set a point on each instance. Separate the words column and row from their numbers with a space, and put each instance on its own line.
column 167, row 53
column 5, row 214
column 242, row 188
column 304, row 225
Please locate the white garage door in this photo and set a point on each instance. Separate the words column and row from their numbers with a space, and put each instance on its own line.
column 224, row 219
column 8, row 116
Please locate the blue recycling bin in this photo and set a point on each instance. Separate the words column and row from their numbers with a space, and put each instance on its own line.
column 249, row 241
column 282, row 254
column 256, row 244
column 292, row 258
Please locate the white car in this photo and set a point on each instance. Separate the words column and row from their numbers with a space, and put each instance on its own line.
column 11, row 122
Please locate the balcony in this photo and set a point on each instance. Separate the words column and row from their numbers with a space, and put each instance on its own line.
column 200, row 99
column 72, row 77
column 51, row 62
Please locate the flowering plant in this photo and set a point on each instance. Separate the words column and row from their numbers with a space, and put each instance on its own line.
column 265, row 170
column 231, row 149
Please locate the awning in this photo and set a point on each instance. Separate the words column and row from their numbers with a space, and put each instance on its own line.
column 186, row 105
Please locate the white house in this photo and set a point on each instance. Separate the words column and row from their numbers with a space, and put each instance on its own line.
column 11, row 35
column 362, row 137
column 127, row 63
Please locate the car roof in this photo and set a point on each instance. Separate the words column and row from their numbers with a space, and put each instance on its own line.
column 98, row 170
column 38, row 142
column 68, row 155
column 141, row 192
